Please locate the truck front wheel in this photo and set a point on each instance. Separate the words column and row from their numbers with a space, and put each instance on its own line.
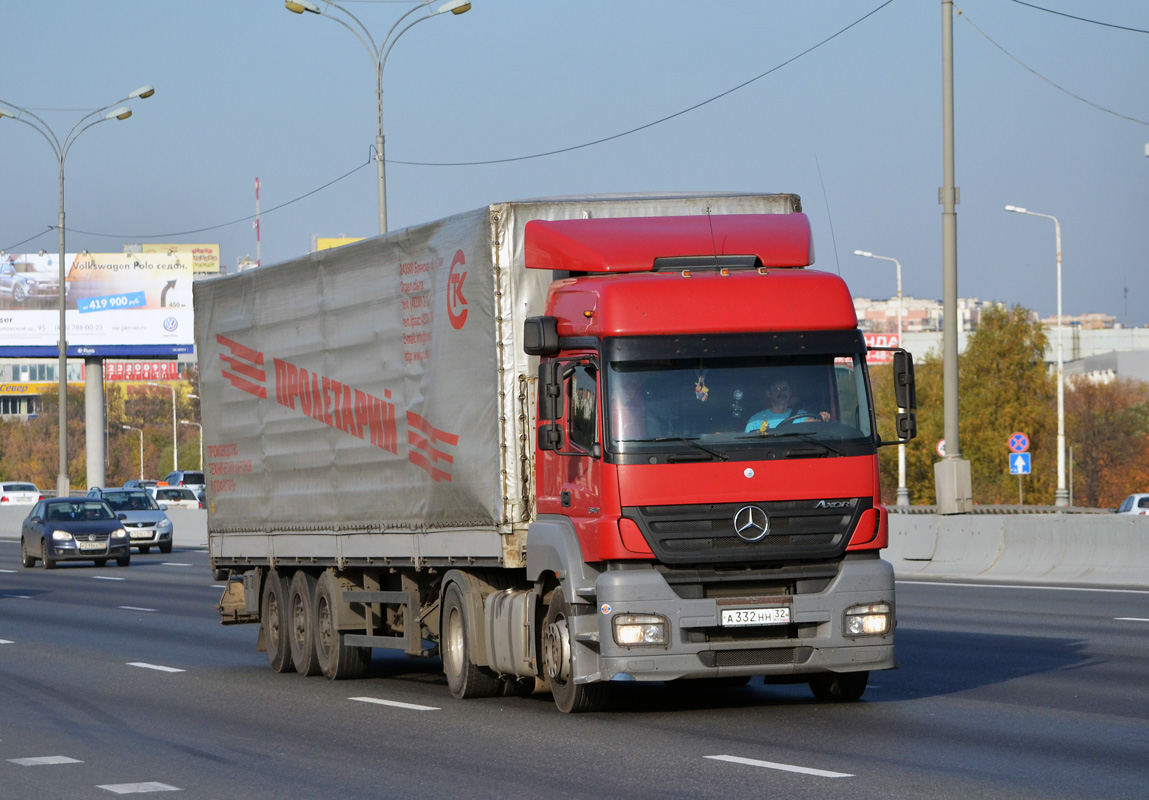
column 464, row 677
column 302, row 624
column 274, row 619
column 336, row 659
column 570, row 697
column 839, row 687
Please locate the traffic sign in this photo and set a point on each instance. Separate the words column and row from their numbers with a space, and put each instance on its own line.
column 1018, row 443
column 1019, row 464
column 941, row 448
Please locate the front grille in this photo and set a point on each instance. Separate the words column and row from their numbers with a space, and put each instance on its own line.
column 139, row 524
column 705, row 533
column 761, row 656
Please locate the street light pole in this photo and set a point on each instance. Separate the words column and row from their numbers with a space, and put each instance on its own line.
column 188, row 422
column 1061, row 496
column 61, row 147
column 903, row 492
column 175, row 437
column 141, row 433
column 378, row 54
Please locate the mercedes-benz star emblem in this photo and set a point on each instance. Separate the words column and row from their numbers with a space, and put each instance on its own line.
column 751, row 523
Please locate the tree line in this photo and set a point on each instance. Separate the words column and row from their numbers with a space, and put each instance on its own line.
column 1005, row 387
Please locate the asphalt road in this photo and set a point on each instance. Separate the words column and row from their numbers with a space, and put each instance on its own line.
column 120, row 680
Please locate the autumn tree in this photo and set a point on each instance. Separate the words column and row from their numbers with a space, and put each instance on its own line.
column 1108, row 426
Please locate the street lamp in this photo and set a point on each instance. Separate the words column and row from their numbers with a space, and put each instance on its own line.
column 141, row 433
column 175, row 439
column 378, row 54
column 187, row 422
column 903, row 492
column 1061, row 496
column 61, row 148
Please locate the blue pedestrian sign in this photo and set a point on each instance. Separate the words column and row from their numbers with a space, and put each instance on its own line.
column 1019, row 464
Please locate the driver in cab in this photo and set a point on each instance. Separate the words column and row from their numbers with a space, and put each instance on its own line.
column 779, row 409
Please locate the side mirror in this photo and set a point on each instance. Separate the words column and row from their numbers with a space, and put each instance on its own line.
column 907, row 424
column 541, row 336
column 551, row 436
column 904, row 390
column 550, row 390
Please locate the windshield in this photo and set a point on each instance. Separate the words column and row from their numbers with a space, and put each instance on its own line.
column 131, row 501
column 740, row 406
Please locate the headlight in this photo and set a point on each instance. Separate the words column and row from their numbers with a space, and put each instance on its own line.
column 640, row 629
column 872, row 620
column 61, row 536
column 120, row 534
column 164, row 523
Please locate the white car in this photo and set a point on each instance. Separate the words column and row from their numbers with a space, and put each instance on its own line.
column 175, row 496
column 19, row 494
column 1135, row 504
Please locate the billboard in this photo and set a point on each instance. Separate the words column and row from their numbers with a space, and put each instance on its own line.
column 204, row 257
column 117, row 304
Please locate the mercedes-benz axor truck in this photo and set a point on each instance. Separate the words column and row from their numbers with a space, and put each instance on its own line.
column 559, row 444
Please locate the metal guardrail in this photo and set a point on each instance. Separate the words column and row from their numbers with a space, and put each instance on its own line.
column 1003, row 509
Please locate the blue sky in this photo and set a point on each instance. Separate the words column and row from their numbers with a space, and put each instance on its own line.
column 246, row 89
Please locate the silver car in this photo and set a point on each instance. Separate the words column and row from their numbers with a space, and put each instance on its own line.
column 143, row 519
column 23, row 279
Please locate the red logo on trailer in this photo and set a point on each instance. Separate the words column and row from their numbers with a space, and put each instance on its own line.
column 456, row 302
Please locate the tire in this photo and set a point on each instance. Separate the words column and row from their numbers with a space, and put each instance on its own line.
column 124, row 561
column 49, row 562
column 18, row 293
column 337, row 660
column 301, row 623
column 166, row 548
column 464, row 678
column 839, row 687
column 144, row 550
column 26, row 558
column 273, row 618
column 101, row 562
column 570, row 697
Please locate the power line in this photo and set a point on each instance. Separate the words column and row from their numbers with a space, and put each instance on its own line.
column 1047, row 80
column 1080, row 19
column 667, row 118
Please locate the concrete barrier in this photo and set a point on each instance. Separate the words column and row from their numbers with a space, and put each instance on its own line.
column 1069, row 549
column 1100, row 550
column 189, row 526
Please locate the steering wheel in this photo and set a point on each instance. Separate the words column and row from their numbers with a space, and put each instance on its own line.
column 794, row 418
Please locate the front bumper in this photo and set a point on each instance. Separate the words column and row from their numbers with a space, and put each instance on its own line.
column 149, row 537
column 70, row 551
column 698, row 647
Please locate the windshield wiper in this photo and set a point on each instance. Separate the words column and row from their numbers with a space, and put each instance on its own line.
column 693, row 443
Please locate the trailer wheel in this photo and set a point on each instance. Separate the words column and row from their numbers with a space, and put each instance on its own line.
column 274, row 619
column 464, row 678
column 336, row 660
column 301, row 618
column 570, row 697
column 839, row 687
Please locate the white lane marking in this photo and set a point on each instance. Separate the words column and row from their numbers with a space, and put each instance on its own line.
column 1131, row 619
column 41, row 760
column 6, row 641
column 16, row 596
column 394, row 703
column 173, row 564
column 821, row 773
column 106, row 578
column 1024, row 586
column 144, row 665
column 135, row 608
column 8, row 571
column 139, row 788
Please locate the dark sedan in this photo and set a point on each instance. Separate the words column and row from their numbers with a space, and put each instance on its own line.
column 73, row 529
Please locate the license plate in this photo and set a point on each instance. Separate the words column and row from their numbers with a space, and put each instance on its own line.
column 733, row 617
column 142, row 535
column 92, row 545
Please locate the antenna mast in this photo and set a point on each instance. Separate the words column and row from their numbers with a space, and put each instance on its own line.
column 258, row 255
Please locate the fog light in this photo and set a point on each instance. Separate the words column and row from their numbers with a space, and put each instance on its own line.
column 872, row 620
column 639, row 629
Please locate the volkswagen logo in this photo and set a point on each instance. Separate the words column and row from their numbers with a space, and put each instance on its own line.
column 751, row 523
